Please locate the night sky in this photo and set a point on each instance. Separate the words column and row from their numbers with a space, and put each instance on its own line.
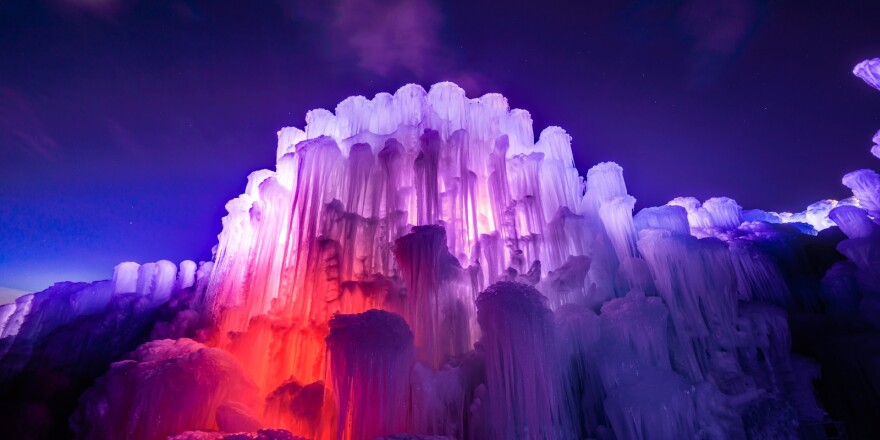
column 125, row 126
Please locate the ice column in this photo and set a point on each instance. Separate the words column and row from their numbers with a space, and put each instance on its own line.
column 577, row 330
column 438, row 317
column 370, row 355
column 523, row 376
column 606, row 192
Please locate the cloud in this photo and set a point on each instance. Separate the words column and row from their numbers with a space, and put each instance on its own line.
column 123, row 138
column 387, row 37
column 22, row 128
column 101, row 8
column 717, row 31
column 718, row 26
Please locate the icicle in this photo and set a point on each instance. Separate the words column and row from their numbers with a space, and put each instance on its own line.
column 725, row 212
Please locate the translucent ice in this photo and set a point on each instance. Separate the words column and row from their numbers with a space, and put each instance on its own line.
column 418, row 266
column 869, row 71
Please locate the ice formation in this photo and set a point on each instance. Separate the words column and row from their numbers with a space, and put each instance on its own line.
column 869, row 71
column 418, row 266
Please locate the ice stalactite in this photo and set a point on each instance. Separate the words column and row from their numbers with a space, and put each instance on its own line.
column 656, row 404
column 645, row 399
column 296, row 407
column 715, row 215
column 672, row 218
column 438, row 400
column 853, row 221
column 606, row 196
column 640, row 323
column 757, row 276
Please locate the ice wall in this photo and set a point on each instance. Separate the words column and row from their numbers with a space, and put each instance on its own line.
column 419, row 266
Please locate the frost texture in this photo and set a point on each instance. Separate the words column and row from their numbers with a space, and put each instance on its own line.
column 419, row 266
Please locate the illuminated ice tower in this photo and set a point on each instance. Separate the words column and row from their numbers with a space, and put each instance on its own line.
column 414, row 204
column 331, row 229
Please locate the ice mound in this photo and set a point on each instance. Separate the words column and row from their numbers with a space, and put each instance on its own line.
column 164, row 388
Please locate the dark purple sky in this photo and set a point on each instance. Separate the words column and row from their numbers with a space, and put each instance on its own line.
column 126, row 125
